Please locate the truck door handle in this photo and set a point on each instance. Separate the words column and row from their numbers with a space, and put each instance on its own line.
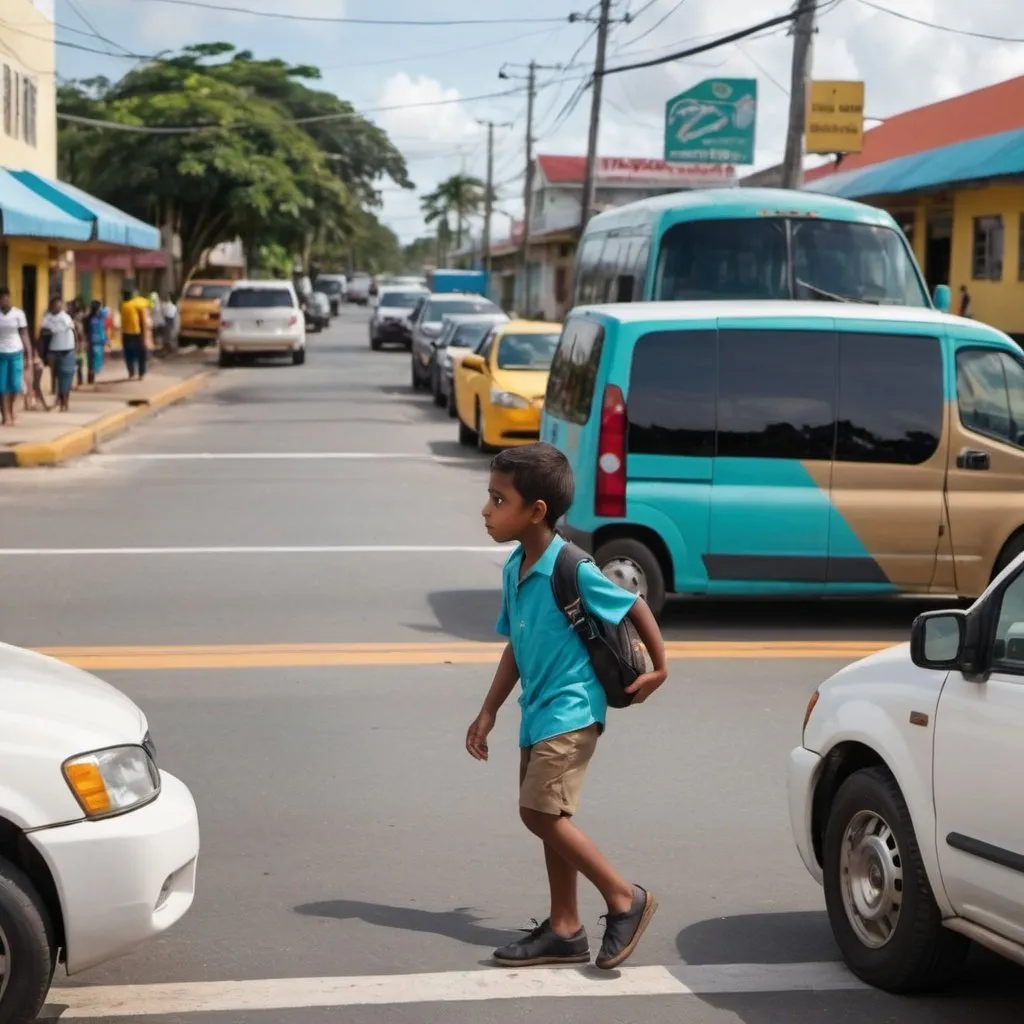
column 971, row 458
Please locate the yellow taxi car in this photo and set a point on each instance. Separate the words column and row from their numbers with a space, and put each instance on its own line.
column 199, row 310
column 499, row 389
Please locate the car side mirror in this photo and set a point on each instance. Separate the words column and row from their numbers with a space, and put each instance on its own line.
column 943, row 298
column 475, row 364
column 938, row 639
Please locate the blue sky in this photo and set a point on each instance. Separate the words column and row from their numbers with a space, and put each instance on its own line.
column 903, row 64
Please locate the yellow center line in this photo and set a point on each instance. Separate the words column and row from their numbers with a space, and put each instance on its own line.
column 318, row 655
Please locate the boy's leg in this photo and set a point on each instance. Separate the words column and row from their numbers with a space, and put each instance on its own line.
column 562, row 882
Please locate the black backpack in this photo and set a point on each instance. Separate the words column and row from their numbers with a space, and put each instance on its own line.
column 616, row 652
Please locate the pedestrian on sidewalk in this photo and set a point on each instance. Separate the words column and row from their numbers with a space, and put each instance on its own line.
column 15, row 356
column 170, row 311
column 134, row 324
column 156, row 319
column 96, row 337
column 63, row 347
column 563, row 706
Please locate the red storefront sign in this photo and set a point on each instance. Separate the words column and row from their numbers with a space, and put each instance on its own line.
column 91, row 260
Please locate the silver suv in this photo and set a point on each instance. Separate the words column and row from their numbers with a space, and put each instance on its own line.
column 426, row 326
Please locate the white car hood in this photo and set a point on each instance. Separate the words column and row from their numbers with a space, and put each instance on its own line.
column 393, row 312
column 43, row 697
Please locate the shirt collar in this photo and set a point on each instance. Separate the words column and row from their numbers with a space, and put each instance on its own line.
column 545, row 565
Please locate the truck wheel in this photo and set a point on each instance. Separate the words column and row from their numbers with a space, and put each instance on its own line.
column 298, row 357
column 225, row 359
column 633, row 566
column 880, row 902
column 29, row 947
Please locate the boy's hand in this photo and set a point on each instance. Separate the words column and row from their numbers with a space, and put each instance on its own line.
column 643, row 686
column 476, row 737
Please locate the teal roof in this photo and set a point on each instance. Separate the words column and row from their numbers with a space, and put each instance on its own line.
column 25, row 213
column 105, row 223
column 993, row 156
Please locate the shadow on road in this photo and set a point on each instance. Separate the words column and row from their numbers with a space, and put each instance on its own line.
column 461, row 924
column 793, row 938
column 464, row 614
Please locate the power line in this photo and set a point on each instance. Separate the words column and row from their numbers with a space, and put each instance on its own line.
column 661, row 21
column 320, row 118
column 991, row 37
column 83, row 17
column 343, row 20
column 760, row 67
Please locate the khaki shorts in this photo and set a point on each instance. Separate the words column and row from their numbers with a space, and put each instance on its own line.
column 551, row 771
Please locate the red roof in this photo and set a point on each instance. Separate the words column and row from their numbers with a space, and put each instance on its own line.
column 563, row 168
column 997, row 108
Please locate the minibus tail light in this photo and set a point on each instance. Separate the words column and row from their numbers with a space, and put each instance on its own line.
column 610, row 491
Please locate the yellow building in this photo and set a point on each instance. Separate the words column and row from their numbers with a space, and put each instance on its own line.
column 952, row 174
column 43, row 222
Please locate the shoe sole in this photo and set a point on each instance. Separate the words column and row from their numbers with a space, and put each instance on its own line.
column 543, row 961
column 650, row 906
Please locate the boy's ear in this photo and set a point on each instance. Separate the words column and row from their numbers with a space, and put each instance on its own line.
column 540, row 512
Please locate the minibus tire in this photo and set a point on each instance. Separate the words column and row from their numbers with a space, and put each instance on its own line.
column 628, row 549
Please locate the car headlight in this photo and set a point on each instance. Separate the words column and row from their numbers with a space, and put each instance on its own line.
column 508, row 400
column 113, row 780
column 448, row 362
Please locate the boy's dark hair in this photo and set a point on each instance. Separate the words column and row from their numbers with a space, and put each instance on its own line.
column 539, row 472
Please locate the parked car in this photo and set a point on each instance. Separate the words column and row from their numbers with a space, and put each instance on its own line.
column 199, row 310
column 357, row 289
column 262, row 318
column 426, row 327
column 499, row 392
column 317, row 309
column 389, row 322
column 333, row 286
column 904, row 794
column 99, row 847
column 460, row 335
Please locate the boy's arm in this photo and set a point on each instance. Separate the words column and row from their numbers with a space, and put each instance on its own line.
column 505, row 678
column 643, row 619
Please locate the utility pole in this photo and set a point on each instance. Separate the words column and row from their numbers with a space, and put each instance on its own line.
column 803, row 35
column 589, row 180
column 489, row 195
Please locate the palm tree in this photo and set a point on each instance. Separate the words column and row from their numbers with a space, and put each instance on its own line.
column 461, row 196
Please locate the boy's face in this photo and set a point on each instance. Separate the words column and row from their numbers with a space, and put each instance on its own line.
column 507, row 515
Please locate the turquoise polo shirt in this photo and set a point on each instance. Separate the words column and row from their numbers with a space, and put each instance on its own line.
column 561, row 692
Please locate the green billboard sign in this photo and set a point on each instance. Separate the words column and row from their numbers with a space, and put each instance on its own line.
column 712, row 123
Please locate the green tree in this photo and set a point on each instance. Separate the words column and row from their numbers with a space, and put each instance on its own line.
column 255, row 168
column 459, row 196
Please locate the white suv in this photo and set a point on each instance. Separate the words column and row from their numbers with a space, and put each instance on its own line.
column 261, row 318
column 905, row 794
column 98, row 847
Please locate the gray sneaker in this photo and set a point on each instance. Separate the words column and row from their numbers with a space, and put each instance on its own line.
column 542, row 946
column 622, row 931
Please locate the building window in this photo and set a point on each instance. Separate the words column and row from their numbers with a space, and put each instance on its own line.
column 16, row 126
column 561, row 284
column 987, row 262
column 30, row 96
column 8, row 87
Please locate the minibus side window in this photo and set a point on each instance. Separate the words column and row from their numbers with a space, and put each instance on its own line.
column 671, row 407
column 640, row 270
column 587, row 270
column 990, row 393
column 776, row 394
column 573, row 374
column 890, row 398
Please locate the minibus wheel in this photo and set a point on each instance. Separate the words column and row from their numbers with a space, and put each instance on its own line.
column 634, row 567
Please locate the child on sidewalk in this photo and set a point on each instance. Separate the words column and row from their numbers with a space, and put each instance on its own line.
column 563, row 706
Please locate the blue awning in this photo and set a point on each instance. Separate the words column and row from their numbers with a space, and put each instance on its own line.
column 112, row 225
column 993, row 156
column 26, row 213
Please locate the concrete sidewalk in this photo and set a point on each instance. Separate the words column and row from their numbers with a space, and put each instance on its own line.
column 101, row 410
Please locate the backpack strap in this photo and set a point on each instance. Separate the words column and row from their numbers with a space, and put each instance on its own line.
column 566, row 587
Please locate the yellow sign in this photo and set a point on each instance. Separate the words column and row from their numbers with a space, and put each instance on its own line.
column 835, row 117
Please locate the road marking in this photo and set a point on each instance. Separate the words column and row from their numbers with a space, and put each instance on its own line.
column 302, row 549
column 314, row 655
column 286, row 456
column 449, row 987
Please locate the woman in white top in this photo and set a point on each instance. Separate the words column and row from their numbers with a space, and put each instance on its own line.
column 15, row 355
column 62, row 346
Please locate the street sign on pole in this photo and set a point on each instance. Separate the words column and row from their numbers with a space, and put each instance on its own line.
column 835, row 117
column 712, row 123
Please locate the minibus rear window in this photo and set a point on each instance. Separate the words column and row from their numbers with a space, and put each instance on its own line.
column 573, row 374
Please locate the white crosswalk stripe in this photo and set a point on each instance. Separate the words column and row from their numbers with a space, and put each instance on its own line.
column 102, row 1003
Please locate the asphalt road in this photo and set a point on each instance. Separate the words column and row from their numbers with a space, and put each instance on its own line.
column 348, row 840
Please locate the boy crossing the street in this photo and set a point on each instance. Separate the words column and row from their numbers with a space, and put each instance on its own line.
column 563, row 705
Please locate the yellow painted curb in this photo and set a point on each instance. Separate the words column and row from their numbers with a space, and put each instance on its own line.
column 84, row 440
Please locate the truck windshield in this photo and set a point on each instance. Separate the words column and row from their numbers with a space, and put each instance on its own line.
column 787, row 258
